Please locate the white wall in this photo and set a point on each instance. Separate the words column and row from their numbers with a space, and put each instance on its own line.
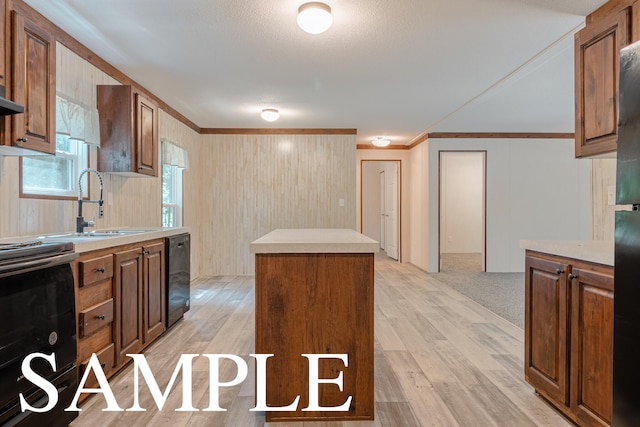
column 461, row 198
column 406, row 202
column 536, row 189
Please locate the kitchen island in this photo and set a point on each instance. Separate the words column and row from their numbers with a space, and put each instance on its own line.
column 314, row 295
column 569, row 291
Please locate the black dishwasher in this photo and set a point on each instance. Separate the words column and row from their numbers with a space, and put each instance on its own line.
column 177, row 250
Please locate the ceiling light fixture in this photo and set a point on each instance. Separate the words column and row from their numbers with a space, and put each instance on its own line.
column 270, row 114
column 314, row 17
column 380, row 142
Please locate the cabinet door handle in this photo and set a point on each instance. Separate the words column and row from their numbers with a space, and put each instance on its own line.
column 100, row 270
column 559, row 271
column 100, row 317
column 22, row 139
column 573, row 276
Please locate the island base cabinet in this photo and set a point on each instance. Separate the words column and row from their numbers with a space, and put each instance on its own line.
column 316, row 304
column 569, row 335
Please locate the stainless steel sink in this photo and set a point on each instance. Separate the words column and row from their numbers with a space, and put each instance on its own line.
column 96, row 233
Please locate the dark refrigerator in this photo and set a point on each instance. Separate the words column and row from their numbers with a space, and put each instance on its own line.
column 626, row 341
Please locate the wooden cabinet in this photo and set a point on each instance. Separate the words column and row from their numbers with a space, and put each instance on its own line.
column 128, row 290
column 611, row 27
column 154, row 310
column 569, row 335
column 547, row 327
column 128, row 131
column 316, row 303
column 592, row 346
column 93, row 274
column 120, row 302
column 32, row 82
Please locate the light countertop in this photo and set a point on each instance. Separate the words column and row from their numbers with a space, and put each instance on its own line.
column 598, row 251
column 92, row 243
column 314, row 240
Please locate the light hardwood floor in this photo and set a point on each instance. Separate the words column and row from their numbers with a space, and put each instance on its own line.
column 440, row 360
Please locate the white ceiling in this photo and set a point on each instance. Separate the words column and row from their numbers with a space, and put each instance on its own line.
column 394, row 68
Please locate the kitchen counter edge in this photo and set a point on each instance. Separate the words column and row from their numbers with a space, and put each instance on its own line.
column 314, row 240
column 596, row 251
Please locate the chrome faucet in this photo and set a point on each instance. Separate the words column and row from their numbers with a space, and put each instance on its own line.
column 80, row 222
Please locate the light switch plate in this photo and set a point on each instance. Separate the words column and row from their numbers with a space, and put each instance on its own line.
column 341, row 203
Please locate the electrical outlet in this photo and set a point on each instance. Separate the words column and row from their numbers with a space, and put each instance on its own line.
column 341, row 203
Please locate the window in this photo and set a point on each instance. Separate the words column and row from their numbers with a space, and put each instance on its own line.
column 55, row 175
column 171, row 196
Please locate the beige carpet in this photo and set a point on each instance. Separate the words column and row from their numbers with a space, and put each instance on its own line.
column 502, row 293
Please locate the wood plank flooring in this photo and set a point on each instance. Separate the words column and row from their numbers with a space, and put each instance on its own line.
column 440, row 360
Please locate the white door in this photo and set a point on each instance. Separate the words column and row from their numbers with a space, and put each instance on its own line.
column 383, row 209
column 391, row 214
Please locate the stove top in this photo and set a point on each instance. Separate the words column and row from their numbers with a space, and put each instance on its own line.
column 32, row 249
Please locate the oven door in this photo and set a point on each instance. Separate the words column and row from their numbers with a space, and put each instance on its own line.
column 37, row 315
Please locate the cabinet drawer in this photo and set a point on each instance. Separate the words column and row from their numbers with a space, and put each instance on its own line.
column 94, row 270
column 95, row 317
column 106, row 356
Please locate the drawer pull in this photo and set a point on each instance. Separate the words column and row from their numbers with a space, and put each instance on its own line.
column 101, row 317
column 99, row 270
column 559, row 271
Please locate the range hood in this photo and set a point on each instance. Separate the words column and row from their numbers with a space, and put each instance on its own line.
column 8, row 107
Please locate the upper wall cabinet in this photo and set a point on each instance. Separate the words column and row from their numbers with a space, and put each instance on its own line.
column 33, row 85
column 128, row 132
column 611, row 27
column 597, row 50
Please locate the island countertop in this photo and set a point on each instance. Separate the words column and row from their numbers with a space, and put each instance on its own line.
column 598, row 251
column 314, row 240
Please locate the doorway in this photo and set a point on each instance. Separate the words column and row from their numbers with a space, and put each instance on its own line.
column 462, row 211
column 380, row 199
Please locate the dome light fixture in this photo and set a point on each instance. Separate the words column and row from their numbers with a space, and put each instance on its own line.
column 270, row 114
column 314, row 17
column 380, row 141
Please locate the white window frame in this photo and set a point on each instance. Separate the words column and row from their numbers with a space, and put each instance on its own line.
column 79, row 156
column 176, row 190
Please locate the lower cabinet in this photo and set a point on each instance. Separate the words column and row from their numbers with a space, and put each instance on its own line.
column 569, row 335
column 154, row 294
column 120, row 303
column 128, row 289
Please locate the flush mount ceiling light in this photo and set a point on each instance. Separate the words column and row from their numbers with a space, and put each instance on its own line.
column 270, row 114
column 380, row 142
column 314, row 17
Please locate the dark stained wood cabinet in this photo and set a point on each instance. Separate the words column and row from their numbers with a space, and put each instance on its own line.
column 120, row 303
column 316, row 303
column 569, row 335
column 154, row 310
column 597, row 51
column 93, row 273
column 592, row 346
column 32, row 83
column 128, row 131
column 128, row 284
column 547, row 327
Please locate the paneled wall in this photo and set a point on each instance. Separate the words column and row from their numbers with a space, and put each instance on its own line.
column 603, row 180
column 253, row 184
column 128, row 201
